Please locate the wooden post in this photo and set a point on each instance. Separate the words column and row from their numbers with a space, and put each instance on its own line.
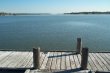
column 36, row 58
column 79, row 46
column 84, row 58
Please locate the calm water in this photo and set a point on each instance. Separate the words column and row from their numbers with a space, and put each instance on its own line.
column 55, row 32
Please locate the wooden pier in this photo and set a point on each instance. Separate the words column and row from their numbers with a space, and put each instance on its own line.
column 54, row 61
column 36, row 61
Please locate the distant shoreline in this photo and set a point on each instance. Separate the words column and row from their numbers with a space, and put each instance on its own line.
column 18, row 14
column 88, row 13
column 72, row 13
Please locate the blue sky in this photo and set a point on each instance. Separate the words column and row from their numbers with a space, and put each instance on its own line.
column 53, row 6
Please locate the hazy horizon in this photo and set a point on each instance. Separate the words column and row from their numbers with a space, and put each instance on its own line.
column 54, row 6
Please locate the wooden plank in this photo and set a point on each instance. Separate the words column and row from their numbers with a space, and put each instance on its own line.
column 42, row 58
column 76, row 61
column 32, row 71
column 79, row 58
column 63, row 61
column 58, row 62
column 15, row 59
column 20, row 60
column 91, row 62
column 29, row 61
column 95, row 62
column 23, row 62
column 45, row 61
column 106, row 58
column 3, row 56
column 99, row 62
column 2, row 52
column 49, row 62
column 68, row 66
column 72, row 62
column 53, row 66
column 6, row 60
column 104, row 65
column 107, row 55
column 27, row 71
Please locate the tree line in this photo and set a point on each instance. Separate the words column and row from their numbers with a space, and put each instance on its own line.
column 88, row 13
column 5, row 14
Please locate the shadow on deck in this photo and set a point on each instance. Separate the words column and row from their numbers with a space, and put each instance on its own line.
column 11, row 71
column 62, row 55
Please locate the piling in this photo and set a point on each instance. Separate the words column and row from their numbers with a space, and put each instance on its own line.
column 84, row 59
column 36, row 58
column 79, row 46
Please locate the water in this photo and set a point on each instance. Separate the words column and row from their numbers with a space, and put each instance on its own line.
column 55, row 32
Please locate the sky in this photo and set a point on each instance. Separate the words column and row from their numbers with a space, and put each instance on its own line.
column 53, row 6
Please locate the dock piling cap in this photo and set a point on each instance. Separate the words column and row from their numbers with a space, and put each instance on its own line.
column 36, row 48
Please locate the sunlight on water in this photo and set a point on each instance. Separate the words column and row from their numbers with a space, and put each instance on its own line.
column 78, row 23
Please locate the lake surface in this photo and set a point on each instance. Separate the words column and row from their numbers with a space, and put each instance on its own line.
column 55, row 32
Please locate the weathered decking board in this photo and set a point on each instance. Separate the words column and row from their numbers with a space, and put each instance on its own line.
column 54, row 61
